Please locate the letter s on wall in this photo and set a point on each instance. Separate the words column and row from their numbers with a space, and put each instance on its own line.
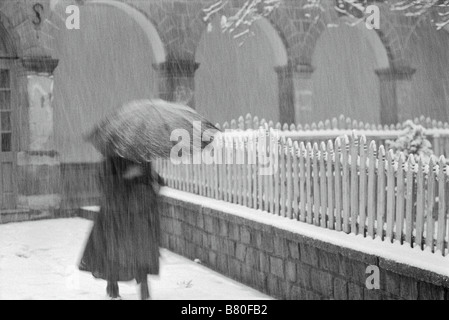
column 38, row 9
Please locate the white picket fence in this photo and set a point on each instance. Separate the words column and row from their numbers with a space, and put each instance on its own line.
column 345, row 185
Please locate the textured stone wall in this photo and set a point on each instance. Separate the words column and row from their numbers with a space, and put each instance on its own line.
column 287, row 265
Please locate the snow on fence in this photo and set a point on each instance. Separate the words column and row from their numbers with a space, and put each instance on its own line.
column 437, row 132
column 340, row 123
column 345, row 185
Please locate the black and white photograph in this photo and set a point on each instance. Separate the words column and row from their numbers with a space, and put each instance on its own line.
column 224, row 154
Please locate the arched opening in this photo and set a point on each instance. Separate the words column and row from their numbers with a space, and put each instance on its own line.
column 235, row 80
column 104, row 64
column 344, row 81
column 429, row 55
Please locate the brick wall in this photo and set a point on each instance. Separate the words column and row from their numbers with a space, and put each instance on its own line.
column 284, row 264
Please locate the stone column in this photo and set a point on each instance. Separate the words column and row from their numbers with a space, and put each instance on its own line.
column 38, row 162
column 295, row 93
column 177, row 80
column 395, row 93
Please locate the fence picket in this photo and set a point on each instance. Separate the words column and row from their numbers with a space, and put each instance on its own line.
column 390, row 195
column 323, row 186
column 255, row 168
column 354, row 183
column 372, row 163
column 302, row 182
column 330, row 185
column 442, row 193
column 400, row 200
column 338, row 196
column 273, row 164
column 289, row 178
column 309, row 155
column 316, row 186
column 276, row 180
column 363, row 185
column 282, row 180
column 409, row 202
column 261, row 155
column 419, row 205
column 346, row 185
column 380, row 192
column 430, row 205
column 295, row 152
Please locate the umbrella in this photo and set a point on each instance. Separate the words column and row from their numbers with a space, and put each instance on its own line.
column 141, row 130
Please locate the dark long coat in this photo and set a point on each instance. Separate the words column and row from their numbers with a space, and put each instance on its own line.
column 124, row 242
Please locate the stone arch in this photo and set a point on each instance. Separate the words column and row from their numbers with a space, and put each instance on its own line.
column 220, row 54
column 142, row 20
column 426, row 50
column 277, row 44
column 387, row 36
column 381, row 52
column 129, row 46
column 147, row 25
column 10, row 38
column 277, row 27
column 287, row 31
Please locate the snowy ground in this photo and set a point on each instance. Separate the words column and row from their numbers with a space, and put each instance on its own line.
column 38, row 261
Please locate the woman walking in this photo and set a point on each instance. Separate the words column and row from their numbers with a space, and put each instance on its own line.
column 124, row 242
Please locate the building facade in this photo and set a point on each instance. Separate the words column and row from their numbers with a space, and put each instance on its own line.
column 56, row 82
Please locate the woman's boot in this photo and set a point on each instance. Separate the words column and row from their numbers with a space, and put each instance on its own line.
column 144, row 290
column 112, row 290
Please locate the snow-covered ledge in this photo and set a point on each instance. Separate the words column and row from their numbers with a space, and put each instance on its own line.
column 294, row 260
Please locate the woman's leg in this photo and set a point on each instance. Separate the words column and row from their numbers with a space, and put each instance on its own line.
column 112, row 289
column 144, row 289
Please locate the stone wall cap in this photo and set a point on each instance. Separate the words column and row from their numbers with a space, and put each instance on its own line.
column 44, row 64
column 352, row 246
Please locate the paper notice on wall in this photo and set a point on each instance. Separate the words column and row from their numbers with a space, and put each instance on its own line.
column 40, row 89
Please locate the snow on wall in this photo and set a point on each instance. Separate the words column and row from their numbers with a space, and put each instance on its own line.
column 401, row 254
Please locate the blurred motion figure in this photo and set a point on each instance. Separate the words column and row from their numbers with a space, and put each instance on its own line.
column 124, row 242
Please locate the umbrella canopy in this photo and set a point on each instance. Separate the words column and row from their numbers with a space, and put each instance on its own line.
column 141, row 130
